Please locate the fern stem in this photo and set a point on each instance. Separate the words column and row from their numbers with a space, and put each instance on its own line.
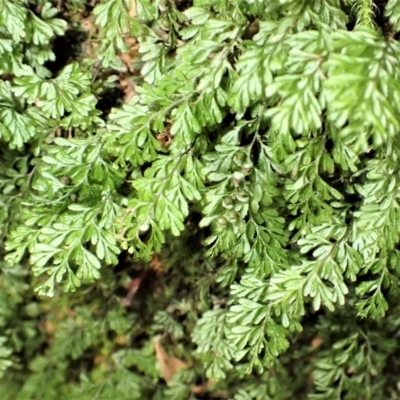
column 365, row 13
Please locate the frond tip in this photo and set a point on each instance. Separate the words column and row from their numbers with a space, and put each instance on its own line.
column 365, row 13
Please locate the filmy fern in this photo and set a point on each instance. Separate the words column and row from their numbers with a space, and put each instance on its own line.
column 260, row 155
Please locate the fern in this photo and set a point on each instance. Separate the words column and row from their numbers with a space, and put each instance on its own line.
column 243, row 203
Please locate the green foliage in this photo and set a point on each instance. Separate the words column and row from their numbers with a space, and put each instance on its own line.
column 245, row 199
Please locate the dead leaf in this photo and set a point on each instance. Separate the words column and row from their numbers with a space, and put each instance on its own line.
column 132, row 11
column 128, row 60
column 129, row 57
column 100, row 359
column 316, row 342
column 164, row 138
column 87, row 24
column 132, row 288
column 156, row 264
column 49, row 327
column 204, row 388
column 169, row 366
column 121, row 340
column 128, row 87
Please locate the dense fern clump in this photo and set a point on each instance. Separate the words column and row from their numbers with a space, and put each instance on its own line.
column 199, row 199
